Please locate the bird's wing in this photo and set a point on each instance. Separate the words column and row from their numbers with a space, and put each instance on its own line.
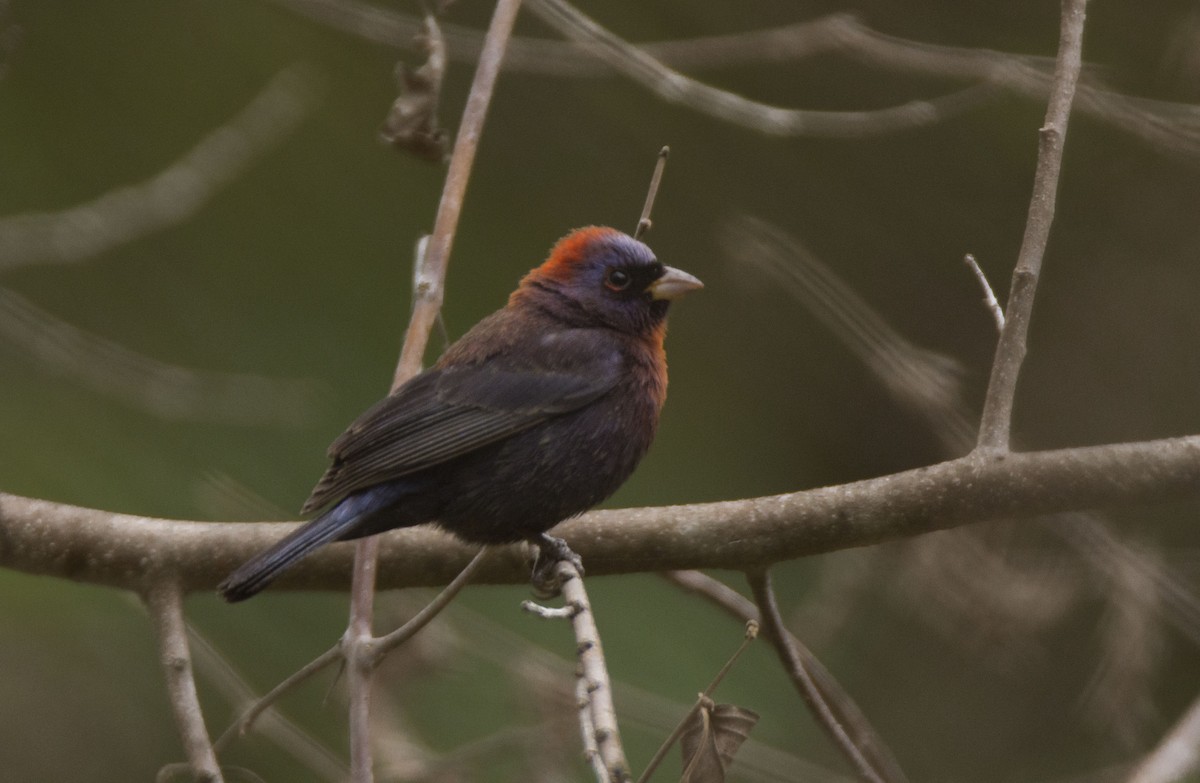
column 450, row 411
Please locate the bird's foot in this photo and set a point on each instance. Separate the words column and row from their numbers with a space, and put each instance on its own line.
column 550, row 552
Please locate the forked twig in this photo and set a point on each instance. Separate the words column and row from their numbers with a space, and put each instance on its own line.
column 996, row 423
column 426, row 306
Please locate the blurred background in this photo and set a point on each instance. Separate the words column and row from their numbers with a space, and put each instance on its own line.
column 205, row 272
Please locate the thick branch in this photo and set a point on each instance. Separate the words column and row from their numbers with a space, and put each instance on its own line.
column 86, row 545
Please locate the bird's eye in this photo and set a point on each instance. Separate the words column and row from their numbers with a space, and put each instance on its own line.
column 617, row 279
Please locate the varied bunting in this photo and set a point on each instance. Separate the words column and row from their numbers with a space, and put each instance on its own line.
column 537, row 414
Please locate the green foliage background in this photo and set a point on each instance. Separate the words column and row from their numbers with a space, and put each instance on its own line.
column 301, row 268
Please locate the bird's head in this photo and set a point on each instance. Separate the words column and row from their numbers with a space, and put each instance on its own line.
column 599, row 275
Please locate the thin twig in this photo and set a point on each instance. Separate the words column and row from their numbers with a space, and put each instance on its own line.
column 246, row 721
column 675, row 87
column 926, row 382
column 776, row 631
column 426, row 307
column 390, row 641
column 593, row 671
column 828, row 689
column 1165, row 126
column 996, row 423
column 989, row 298
column 701, row 700
column 644, row 222
column 169, row 391
column 172, row 196
column 222, row 675
column 437, row 253
column 165, row 602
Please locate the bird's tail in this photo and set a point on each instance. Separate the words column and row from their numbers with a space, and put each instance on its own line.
column 342, row 521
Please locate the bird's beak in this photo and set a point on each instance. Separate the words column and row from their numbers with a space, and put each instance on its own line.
column 673, row 284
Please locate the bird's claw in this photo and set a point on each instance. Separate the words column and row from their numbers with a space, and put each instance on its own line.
column 550, row 552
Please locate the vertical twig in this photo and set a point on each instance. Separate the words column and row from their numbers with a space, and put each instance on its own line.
column 595, row 672
column 599, row 715
column 165, row 602
column 355, row 648
column 358, row 643
column 437, row 253
column 587, row 730
column 996, row 423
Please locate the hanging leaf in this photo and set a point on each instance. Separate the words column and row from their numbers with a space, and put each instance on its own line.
column 412, row 123
column 711, row 738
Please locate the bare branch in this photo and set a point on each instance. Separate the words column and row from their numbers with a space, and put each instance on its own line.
column 802, row 678
column 428, row 299
column 593, row 672
column 1173, row 128
column 587, row 731
column 927, row 383
column 390, row 641
column 674, row 87
column 786, row 43
column 848, row 719
column 172, row 196
column 246, row 721
column 354, row 648
column 427, row 303
column 220, row 673
column 169, row 391
column 165, row 602
column 99, row 547
column 996, row 422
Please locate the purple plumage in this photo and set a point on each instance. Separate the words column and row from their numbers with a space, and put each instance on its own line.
column 538, row 413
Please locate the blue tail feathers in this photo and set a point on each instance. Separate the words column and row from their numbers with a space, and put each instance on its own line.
column 345, row 520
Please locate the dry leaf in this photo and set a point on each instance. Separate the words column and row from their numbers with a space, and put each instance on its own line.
column 710, row 739
column 412, row 123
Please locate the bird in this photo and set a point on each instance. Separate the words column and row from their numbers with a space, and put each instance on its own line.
column 539, row 412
